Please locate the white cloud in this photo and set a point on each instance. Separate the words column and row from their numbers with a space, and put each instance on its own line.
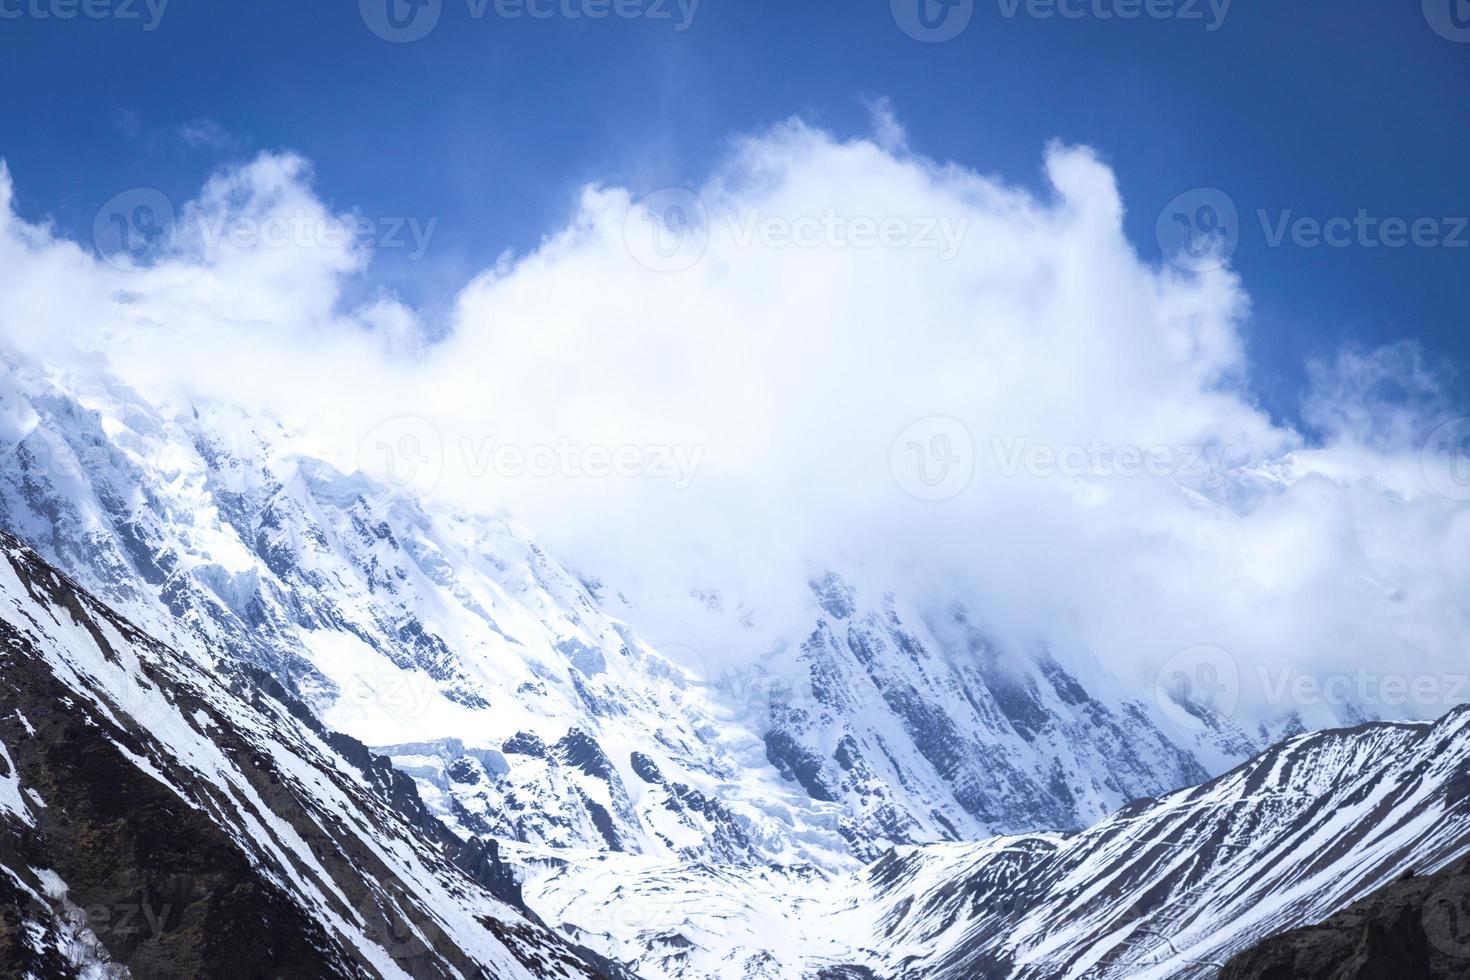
column 206, row 134
column 815, row 324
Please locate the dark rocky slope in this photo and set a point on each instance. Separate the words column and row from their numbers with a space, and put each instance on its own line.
column 1414, row 928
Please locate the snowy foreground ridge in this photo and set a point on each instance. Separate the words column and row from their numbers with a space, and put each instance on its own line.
column 525, row 785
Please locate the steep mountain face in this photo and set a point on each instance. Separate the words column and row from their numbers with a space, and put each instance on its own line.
column 519, row 696
column 160, row 820
column 881, row 715
column 1162, row 889
column 453, row 640
column 1416, row 927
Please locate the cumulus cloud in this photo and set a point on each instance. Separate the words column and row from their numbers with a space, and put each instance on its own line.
column 832, row 352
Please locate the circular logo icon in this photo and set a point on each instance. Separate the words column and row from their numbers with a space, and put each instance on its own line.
column 1449, row 18
column 1446, row 459
column 406, row 452
column 668, row 231
column 401, row 21
column 1446, row 917
column 1196, row 684
column 1199, row 229
column 933, row 459
column 933, row 21
column 134, row 228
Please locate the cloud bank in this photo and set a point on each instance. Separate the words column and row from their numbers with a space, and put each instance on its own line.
column 831, row 352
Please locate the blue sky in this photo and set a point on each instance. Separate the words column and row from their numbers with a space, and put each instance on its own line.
column 490, row 125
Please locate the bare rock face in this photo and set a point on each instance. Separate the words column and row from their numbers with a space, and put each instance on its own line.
column 1415, row 927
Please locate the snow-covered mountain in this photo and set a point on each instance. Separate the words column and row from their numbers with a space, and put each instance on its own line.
column 1166, row 888
column 159, row 819
column 827, row 806
column 520, row 696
